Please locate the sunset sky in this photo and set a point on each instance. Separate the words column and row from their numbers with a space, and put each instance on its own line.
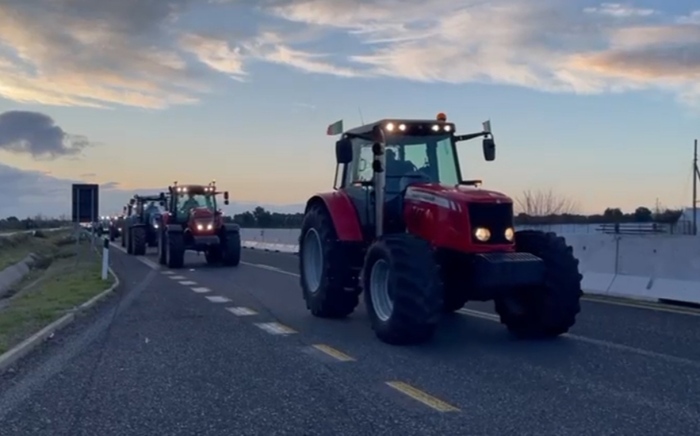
column 600, row 102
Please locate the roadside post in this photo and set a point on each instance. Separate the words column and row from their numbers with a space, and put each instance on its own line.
column 105, row 258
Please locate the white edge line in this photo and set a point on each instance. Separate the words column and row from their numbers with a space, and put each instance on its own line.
column 270, row 268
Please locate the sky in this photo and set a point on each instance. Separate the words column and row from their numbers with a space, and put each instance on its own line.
column 599, row 102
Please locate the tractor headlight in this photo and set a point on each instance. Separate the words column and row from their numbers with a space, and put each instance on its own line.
column 509, row 234
column 482, row 234
column 155, row 225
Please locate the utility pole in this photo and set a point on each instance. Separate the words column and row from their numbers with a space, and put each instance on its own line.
column 696, row 174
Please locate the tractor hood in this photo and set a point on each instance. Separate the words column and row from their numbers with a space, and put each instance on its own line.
column 459, row 194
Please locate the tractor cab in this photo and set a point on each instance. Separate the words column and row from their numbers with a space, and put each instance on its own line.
column 193, row 201
column 381, row 160
column 194, row 222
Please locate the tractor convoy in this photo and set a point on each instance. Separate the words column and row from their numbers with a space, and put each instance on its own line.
column 403, row 227
column 187, row 217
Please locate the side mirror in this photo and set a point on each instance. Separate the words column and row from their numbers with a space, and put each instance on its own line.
column 489, row 149
column 226, row 201
column 343, row 151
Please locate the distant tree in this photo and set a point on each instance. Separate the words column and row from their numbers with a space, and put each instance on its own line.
column 643, row 215
column 613, row 214
column 545, row 203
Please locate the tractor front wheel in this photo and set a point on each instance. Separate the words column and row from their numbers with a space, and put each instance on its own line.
column 213, row 255
column 230, row 248
column 175, row 250
column 138, row 240
column 327, row 282
column 162, row 248
column 403, row 289
column 129, row 242
column 549, row 310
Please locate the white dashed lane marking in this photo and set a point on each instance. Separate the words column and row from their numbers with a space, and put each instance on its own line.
column 201, row 290
column 218, row 299
column 177, row 277
column 188, row 283
column 241, row 311
column 275, row 328
column 167, row 273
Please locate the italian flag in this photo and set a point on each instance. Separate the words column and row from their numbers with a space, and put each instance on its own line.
column 335, row 128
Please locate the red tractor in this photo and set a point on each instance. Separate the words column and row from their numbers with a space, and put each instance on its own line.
column 193, row 222
column 404, row 227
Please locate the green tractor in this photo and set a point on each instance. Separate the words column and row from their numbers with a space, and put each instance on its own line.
column 141, row 225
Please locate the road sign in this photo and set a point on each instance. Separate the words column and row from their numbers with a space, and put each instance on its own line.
column 86, row 204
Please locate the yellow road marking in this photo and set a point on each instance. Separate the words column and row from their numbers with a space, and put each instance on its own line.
column 422, row 397
column 644, row 305
column 338, row 355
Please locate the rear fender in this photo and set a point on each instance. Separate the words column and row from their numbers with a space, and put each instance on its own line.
column 342, row 212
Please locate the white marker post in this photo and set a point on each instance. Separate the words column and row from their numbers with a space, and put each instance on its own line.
column 105, row 258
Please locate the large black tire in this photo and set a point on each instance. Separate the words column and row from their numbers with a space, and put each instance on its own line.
column 548, row 310
column 453, row 282
column 138, row 240
column 231, row 248
column 129, row 241
column 414, row 284
column 175, row 250
column 330, row 289
column 162, row 248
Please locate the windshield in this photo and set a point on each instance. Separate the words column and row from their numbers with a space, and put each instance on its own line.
column 186, row 202
column 429, row 158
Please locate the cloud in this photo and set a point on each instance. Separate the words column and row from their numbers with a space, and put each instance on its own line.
column 94, row 53
column 155, row 54
column 548, row 45
column 215, row 53
column 619, row 10
column 37, row 134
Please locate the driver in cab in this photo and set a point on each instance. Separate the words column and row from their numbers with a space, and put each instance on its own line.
column 189, row 204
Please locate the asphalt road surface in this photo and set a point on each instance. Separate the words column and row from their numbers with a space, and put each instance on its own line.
column 233, row 351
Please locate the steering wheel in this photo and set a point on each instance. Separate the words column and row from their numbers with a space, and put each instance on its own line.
column 412, row 178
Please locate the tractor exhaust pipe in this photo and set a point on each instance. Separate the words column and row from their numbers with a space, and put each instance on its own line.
column 379, row 179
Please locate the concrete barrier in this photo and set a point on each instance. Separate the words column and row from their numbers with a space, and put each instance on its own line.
column 645, row 267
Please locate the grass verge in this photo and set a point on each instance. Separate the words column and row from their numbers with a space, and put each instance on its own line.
column 72, row 278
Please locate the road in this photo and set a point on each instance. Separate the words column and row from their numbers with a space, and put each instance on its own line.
column 219, row 351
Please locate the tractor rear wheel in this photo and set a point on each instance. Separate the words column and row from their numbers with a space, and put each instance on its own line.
column 138, row 240
column 175, row 250
column 328, row 284
column 549, row 310
column 403, row 289
column 231, row 248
